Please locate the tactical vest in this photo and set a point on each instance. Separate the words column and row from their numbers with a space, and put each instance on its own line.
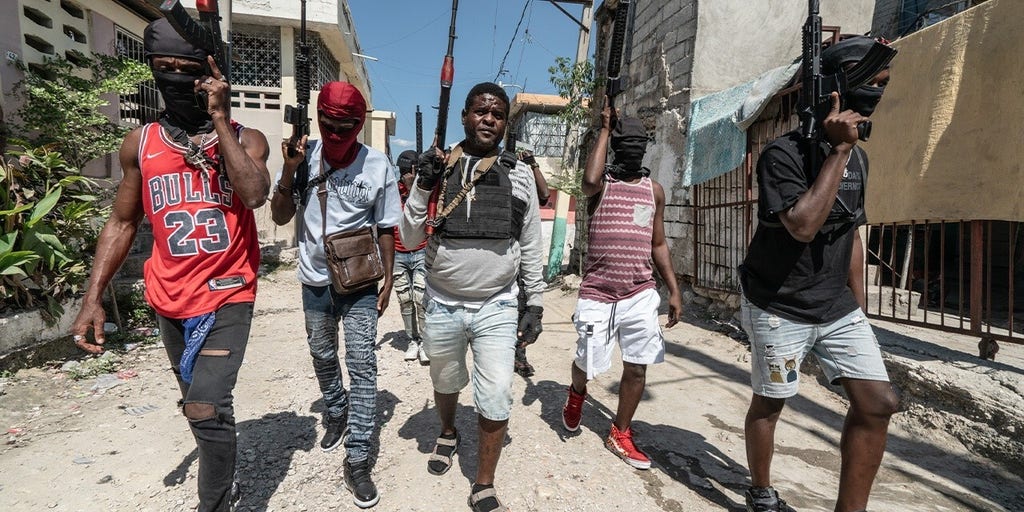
column 490, row 210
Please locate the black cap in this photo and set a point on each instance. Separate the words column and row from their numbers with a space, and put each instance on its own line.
column 160, row 38
column 406, row 160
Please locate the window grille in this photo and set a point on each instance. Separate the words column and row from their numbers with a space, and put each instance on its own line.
column 257, row 53
column 545, row 132
column 324, row 68
column 142, row 106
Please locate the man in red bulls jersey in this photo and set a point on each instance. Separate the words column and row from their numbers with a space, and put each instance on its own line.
column 343, row 186
column 618, row 301
column 196, row 175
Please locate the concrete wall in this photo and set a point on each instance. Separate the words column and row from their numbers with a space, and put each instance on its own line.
column 738, row 39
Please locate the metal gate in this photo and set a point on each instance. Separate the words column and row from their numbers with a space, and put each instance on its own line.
column 724, row 207
column 961, row 276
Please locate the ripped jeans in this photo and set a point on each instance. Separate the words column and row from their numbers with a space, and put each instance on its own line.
column 208, row 402
column 845, row 348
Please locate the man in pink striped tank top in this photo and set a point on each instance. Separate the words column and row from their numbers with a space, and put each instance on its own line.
column 618, row 301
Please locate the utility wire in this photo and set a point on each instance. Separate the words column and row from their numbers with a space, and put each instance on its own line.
column 510, row 43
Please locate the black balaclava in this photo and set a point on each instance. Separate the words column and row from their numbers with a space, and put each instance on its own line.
column 629, row 143
column 863, row 99
column 183, row 107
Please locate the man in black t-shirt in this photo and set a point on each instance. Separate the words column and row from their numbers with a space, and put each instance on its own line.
column 803, row 290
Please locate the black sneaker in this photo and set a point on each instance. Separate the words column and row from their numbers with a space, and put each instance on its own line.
column 357, row 481
column 764, row 499
column 337, row 431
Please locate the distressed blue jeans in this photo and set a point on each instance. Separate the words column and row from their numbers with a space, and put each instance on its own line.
column 324, row 309
column 409, row 273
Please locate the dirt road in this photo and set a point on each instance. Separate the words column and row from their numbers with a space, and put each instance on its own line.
column 69, row 448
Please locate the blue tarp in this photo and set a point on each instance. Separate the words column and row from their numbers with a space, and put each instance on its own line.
column 717, row 139
column 714, row 145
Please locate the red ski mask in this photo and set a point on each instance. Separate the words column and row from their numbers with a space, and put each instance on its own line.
column 342, row 103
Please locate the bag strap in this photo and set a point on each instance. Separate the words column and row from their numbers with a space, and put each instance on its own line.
column 321, row 183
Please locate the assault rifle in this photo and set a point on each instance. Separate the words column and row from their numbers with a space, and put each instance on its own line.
column 447, row 76
column 816, row 89
column 298, row 116
column 622, row 39
column 203, row 34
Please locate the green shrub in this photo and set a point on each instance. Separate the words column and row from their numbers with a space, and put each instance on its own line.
column 51, row 217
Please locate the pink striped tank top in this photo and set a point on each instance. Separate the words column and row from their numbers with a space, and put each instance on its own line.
column 618, row 264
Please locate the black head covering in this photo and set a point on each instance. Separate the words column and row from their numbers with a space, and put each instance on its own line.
column 629, row 142
column 406, row 160
column 864, row 98
column 160, row 38
column 184, row 108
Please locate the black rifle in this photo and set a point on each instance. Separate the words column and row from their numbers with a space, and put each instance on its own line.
column 203, row 34
column 622, row 36
column 298, row 116
column 419, row 130
column 447, row 76
column 510, row 144
column 816, row 89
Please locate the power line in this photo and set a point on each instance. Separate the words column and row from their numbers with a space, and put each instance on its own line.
column 522, row 15
column 522, row 47
column 409, row 34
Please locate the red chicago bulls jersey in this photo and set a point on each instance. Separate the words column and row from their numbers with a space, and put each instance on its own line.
column 205, row 247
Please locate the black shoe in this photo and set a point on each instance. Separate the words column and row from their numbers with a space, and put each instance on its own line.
column 357, row 480
column 337, row 431
column 764, row 499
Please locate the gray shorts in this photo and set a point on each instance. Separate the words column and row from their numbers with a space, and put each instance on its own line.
column 845, row 348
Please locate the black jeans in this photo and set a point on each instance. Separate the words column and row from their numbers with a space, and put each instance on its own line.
column 208, row 400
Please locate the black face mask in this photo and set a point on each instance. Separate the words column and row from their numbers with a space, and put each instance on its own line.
column 184, row 108
column 864, row 99
column 629, row 152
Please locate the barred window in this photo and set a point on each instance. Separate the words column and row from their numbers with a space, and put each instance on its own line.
column 545, row 132
column 323, row 67
column 257, row 52
column 142, row 106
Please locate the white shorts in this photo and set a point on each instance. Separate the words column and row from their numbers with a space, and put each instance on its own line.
column 632, row 323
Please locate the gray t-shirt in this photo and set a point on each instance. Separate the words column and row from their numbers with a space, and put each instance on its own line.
column 363, row 194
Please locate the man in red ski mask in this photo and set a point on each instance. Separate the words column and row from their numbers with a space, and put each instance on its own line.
column 361, row 191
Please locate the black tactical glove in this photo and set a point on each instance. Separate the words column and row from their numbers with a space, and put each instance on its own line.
column 527, row 157
column 429, row 168
column 529, row 325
